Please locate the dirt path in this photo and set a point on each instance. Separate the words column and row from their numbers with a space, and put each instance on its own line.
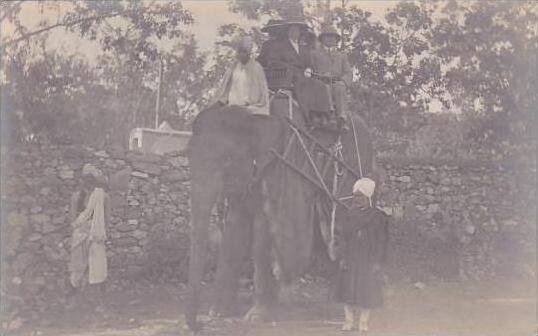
column 444, row 309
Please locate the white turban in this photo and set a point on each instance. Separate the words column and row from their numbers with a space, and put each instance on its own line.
column 365, row 186
column 244, row 43
column 90, row 169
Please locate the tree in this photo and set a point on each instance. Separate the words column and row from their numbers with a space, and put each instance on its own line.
column 394, row 74
column 119, row 92
column 153, row 17
column 50, row 97
column 478, row 58
column 253, row 9
column 489, row 51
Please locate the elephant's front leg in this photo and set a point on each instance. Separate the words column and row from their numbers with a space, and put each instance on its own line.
column 234, row 253
column 206, row 185
column 265, row 283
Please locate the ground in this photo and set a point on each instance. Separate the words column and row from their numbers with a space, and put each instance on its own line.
column 494, row 308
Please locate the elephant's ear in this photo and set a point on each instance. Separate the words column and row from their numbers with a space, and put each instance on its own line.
column 290, row 211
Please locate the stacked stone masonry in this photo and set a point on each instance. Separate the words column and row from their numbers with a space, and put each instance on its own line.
column 451, row 220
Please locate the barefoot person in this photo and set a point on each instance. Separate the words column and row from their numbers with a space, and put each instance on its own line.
column 362, row 253
column 89, row 214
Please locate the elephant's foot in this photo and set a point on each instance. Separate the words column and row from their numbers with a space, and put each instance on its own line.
column 193, row 326
column 215, row 313
column 190, row 319
column 259, row 313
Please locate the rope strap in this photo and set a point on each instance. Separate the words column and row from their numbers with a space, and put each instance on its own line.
column 356, row 146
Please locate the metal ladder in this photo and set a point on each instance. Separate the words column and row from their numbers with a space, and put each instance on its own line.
column 312, row 147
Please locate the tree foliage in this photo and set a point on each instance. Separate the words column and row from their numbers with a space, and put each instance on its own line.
column 490, row 55
column 477, row 59
column 48, row 96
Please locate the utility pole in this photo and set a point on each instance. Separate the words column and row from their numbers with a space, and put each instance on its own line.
column 342, row 41
column 159, row 88
column 327, row 17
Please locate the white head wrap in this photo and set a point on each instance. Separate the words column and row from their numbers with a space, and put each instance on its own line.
column 244, row 43
column 365, row 186
column 90, row 169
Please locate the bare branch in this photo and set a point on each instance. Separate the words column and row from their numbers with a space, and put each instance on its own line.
column 10, row 9
column 51, row 27
column 68, row 24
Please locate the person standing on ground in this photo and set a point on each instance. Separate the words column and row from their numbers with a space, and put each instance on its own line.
column 89, row 212
column 361, row 254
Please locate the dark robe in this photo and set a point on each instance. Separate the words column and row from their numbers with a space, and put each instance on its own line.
column 363, row 243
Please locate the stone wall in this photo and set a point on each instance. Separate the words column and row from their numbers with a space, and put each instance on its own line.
column 147, row 235
column 460, row 219
column 452, row 220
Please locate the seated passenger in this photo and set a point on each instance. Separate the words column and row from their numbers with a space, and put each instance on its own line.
column 285, row 50
column 290, row 52
column 276, row 29
column 244, row 82
column 309, row 41
column 332, row 67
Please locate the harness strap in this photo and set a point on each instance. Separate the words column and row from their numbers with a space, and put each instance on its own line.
column 311, row 160
column 356, row 146
column 336, row 174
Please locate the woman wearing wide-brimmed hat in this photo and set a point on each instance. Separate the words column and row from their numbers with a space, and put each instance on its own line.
column 286, row 50
column 276, row 29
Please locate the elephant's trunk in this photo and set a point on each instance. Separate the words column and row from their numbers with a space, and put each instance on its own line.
column 205, row 188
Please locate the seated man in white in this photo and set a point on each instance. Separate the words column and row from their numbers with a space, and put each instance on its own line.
column 244, row 83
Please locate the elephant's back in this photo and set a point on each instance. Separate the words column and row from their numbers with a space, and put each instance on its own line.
column 220, row 132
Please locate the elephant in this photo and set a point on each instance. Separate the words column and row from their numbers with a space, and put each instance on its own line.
column 271, row 210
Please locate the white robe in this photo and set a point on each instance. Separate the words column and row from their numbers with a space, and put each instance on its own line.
column 248, row 88
column 88, row 250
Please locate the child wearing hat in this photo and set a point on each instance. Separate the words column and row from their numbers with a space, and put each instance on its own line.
column 332, row 67
column 361, row 254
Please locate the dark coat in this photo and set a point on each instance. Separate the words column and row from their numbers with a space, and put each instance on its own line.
column 265, row 51
column 280, row 52
column 363, row 243
column 311, row 94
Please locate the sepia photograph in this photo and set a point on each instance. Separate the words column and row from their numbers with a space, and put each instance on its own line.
column 268, row 167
